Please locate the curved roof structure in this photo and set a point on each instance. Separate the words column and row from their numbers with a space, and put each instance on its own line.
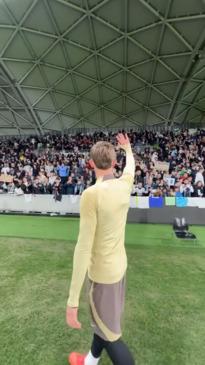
column 101, row 63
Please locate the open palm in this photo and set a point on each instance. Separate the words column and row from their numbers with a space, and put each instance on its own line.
column 123, row 140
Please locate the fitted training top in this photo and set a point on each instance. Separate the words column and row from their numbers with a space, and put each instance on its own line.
column 100, row 249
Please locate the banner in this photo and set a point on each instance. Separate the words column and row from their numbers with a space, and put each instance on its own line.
column 6, row 178
column 161, row 166
column 170, row 201
column 181, row 201
column 142, row 202
column 156, row 202
column 170, row 181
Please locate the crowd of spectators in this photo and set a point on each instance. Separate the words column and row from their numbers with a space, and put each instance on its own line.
column 167, row 164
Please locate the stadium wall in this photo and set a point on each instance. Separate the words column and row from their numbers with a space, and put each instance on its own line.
column 139, row 212
column 166, row 215
column 42, row 204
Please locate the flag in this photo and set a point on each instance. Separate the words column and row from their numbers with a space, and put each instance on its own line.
column 170, row 201
column 156, row 202
column 181, row 201
column 142, row 202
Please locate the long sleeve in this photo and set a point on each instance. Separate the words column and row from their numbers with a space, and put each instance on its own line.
column 129, row 170
column 82, row 254
column 130, row 162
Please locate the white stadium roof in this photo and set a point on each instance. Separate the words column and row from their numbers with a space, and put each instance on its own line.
column 101, row 63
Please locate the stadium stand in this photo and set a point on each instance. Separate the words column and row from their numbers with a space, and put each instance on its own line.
column 167, row 164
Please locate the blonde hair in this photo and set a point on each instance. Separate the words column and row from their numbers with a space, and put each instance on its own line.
column 103, row 154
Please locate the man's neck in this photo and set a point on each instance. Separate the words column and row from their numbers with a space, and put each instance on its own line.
column 101, row 173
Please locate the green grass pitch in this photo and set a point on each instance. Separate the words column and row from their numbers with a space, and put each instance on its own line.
column 164, row 320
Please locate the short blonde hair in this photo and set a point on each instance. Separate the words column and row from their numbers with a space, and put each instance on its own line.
column 103, row 154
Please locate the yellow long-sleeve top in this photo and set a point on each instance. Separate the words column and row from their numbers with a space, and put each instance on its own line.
column 100, row 249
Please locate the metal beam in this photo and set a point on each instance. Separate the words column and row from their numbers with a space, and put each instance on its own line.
column 103, row 82
column 170, row 26
column 28, row 107
column 13, row 114
column 80, row 9
column 107, row 59
column 33, row 4
column 192, row 105
column 134, row 41
column 120, row 33
column 145, row 28
column 189, row 71
column 125, row 58
column 161, row 38
column 97, row 65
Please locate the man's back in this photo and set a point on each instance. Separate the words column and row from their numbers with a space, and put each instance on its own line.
column 100, row 247
column 100, row 251
column 108, row 259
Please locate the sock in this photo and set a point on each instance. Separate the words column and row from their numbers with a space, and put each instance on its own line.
column 91, row 360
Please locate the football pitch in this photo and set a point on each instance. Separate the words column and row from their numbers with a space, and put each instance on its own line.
column 164, row 322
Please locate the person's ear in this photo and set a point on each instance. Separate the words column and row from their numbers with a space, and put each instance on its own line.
column 114, row 163
column 91, row 163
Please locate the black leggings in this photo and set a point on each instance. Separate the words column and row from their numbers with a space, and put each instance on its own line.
column 117, row 351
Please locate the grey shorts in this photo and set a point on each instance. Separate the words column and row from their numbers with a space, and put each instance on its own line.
column 107, row 305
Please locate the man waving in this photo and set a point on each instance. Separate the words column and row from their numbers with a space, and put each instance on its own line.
column 100, row 253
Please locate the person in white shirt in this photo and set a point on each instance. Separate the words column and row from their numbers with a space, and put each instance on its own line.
column 18, row 191
column 186, row 188
column 28, row 168
column 154, row 157
column 140, row 190
column 52, row 178
column 199, row 177
column 5, row 170
column 49, row 168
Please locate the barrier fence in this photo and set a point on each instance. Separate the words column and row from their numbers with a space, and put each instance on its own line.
column 159, row 202
column 45, row 204
column 142, row 209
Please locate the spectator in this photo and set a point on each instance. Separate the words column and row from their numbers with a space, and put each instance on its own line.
column 186, row 188
column 40, row 165
column 139, row 190
column 63, row 172
column 199, row 176
column 5, row 169
column 199, row 190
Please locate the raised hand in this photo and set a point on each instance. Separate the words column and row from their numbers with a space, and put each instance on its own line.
column 123, row 140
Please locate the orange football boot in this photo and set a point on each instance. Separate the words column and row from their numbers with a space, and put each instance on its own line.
column 76, row 359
